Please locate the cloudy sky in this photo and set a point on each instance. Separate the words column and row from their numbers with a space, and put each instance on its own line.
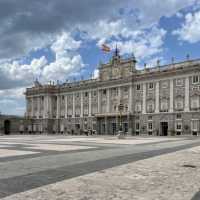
column 60, row 40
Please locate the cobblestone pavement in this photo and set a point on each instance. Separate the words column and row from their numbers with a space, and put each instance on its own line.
column 98, row 168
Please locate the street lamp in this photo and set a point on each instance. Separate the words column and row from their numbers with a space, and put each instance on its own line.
column 120, row 108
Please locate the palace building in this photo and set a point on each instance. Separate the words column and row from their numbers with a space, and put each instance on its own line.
column 163, row 100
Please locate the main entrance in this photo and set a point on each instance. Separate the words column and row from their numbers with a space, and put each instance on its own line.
column 7, row 127
column 164, row 128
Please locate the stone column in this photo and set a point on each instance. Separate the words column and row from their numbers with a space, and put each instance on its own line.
column 130, row 107
column 157, row 98
column 171, row 108
column 49, row 107
column 45, row 107
column 65, row 106
column 144, row 98
column 32, row 107
column 73, row 111
column 187, row 94
column 90, row 104
column 58, row 107
column 106, row 126
column 99, row 101
column 108, row 101
column 38, row 107
column 81, row 104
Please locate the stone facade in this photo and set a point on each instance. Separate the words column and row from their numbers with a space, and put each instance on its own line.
column 11, row 125
column 164, row 100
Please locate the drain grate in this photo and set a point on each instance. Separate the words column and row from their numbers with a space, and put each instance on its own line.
column 189, row 166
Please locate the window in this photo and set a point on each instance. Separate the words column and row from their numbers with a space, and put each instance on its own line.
column 195, row 102
column 194, row 124
column 150, row 126
column 195, row 79
column 179, row 126
column 150, row 107
column 104, row 92
column 178, row 116
column 86, row 94
column 137, row 117
column 138, row 87
column 179, row 104
column 114, row 92
column 164, row 84
column 151, row 85
column 179, row 82
column 126, row 108
column 137, row 126
column 138, row 107
column 150, row 117
column 94, row 93
column 164, row 105
column 126, row 89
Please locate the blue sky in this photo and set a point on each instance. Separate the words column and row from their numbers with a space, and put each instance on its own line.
column 61, row 40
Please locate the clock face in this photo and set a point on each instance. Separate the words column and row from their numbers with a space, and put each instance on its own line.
column 115, row 72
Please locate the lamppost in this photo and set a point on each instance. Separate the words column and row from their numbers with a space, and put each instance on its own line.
column 120, row 133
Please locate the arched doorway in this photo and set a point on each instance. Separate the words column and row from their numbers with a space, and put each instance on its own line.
column 7, row 127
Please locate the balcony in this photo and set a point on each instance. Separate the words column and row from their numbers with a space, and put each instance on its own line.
column 164, row 110
column 195, row 108
column 179, row 109
column 150, row 111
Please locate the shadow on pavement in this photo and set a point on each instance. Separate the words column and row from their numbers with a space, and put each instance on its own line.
column 196, row 196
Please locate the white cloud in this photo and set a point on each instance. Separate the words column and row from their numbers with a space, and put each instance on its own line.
column 96, row 74
column 12, row 101
column 143, row 43
column 63, row 44
column 67, row 61
column 62, row 68
column 190, row 29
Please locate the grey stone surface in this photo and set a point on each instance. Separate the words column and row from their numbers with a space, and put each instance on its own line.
column 20, row 174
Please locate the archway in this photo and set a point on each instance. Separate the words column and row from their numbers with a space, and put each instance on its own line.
column 7, row 124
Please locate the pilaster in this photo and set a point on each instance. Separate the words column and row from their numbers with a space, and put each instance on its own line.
column 90, row 104
column 130, row 107
column 144, row 98
column 171, row 108
column 108, row 100
column 38, row 107
column 157, row 97
column 187, row 94
column 99, row 101
column 66, row 106
column 81, row 104
column 73, row 111
column 58, row 107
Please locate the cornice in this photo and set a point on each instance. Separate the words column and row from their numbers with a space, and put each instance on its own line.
column 154, row 73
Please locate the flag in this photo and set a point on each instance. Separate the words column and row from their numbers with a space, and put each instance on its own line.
column 105, row 48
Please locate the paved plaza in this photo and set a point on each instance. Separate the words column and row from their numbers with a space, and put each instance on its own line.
column 99, row 168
